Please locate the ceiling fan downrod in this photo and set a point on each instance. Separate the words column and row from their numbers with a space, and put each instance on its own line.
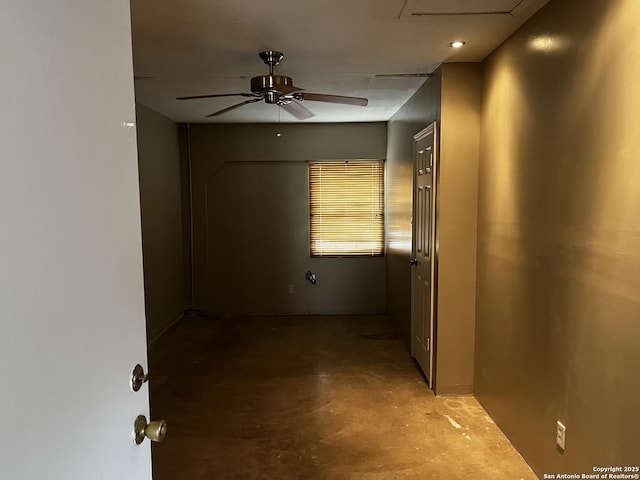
column 271, row 58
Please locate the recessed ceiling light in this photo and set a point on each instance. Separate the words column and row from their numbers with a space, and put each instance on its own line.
column 457, row 44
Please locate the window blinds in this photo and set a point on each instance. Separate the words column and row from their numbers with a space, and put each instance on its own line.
column 347, row 208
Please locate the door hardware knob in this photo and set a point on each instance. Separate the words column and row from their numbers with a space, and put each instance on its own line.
column 413, row 261
column 138, row 378
column 154, row 431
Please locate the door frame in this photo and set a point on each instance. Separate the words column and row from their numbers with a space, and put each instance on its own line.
column 430, row 129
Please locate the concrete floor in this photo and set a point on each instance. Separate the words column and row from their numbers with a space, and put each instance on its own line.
column 331, row 398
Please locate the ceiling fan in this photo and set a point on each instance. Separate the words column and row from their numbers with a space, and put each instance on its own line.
column 279, row 90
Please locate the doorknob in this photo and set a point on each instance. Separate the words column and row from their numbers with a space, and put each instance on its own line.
column 413, row 261
column 154, row 431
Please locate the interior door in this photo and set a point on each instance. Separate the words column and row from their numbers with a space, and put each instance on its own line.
column 72, row 321
column 423, row 261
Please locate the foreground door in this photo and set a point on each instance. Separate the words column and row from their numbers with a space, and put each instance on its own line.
column 423, row 274
column 71, row 292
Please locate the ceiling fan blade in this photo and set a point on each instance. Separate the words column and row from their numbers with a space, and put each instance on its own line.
column 297, row 110
column 233, row 107
column 194, row 97
column 319, row 97
column 287, row 89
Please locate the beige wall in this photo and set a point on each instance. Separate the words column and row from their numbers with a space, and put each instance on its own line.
column 251, row 220
column 421, row 110
column 457, row 227
column 453, row 98
column 160, row 199
column 558, row 302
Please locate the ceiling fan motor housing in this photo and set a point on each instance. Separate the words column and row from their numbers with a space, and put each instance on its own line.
column 267, row 83
column 273, row 84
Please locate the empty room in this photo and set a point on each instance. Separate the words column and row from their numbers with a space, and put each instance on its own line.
column 323, row 240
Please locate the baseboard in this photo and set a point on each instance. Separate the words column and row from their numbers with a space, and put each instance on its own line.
column 454, row 390
column 153, row 337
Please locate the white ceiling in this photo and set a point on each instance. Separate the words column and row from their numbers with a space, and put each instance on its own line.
column 194, row 47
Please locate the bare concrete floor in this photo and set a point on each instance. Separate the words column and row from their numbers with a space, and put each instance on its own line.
column 311, row 397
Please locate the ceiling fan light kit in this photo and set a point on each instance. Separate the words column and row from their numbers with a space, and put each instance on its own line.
column 279, row 90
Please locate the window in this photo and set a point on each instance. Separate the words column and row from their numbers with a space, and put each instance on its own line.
column 347, row 208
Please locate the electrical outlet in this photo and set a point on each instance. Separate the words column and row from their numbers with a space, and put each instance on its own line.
column 292, row 289
column 561, row 434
